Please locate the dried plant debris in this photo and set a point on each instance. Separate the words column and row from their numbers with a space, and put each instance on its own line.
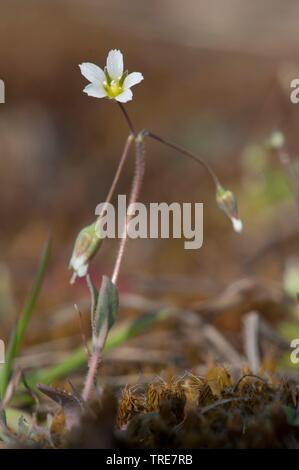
column 96, row 428
column 211, row 411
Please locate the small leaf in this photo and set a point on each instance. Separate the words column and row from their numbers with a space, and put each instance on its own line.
column 107, row 307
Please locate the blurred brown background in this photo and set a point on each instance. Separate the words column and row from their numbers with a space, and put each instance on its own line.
column 216, row 80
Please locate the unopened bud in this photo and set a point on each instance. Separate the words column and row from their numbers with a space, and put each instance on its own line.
column 276, row 141
column 227, row 202
column 86, row 246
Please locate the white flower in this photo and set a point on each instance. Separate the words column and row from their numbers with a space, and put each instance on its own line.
column 112, row 82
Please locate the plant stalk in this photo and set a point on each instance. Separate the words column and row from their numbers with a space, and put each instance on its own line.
column 94, row 362
column 135, row 191
column 96, row 356
column 117, row 174
column 128, row 119
column 185, row 152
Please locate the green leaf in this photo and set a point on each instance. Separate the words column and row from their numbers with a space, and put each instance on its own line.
column 106, row 309
column 23, row 321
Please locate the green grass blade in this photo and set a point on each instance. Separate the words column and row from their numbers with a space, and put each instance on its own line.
column 77, row 359
column 23, row 321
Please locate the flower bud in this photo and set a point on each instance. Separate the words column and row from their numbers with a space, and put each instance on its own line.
column 276, row 141
column 86, row 246
column 227, row 202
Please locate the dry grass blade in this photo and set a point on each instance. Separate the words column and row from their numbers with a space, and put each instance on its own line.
column 251, row 343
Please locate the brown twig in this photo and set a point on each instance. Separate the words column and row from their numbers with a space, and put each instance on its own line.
column 246, row 376
column 208, row 408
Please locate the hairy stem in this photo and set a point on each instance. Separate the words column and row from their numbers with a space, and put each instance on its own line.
column 99, row 344
column 135, row 191
column 94, row 362
column 95, row 358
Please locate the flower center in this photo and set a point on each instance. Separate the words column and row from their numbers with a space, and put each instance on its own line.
column 114, row 88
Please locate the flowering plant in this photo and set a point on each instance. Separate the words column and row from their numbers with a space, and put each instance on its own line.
column 115, row 84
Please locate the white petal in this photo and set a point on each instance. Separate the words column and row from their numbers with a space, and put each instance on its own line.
column 237, row 224
column 115, row 64
column 125, row 96
column 82, row 271
column 76, row 262
column 132, row 79
column 92, row 72
column 95, row 90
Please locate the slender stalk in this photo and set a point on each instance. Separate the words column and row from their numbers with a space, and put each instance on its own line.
column 135, row 190
column 185, row 152
column 128, row 119
column 93, row 366
column 118, row 173
column 94, row 362
column 99, row 344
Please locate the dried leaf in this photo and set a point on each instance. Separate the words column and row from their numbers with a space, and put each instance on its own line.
column 72, row 405
column 218, row 378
